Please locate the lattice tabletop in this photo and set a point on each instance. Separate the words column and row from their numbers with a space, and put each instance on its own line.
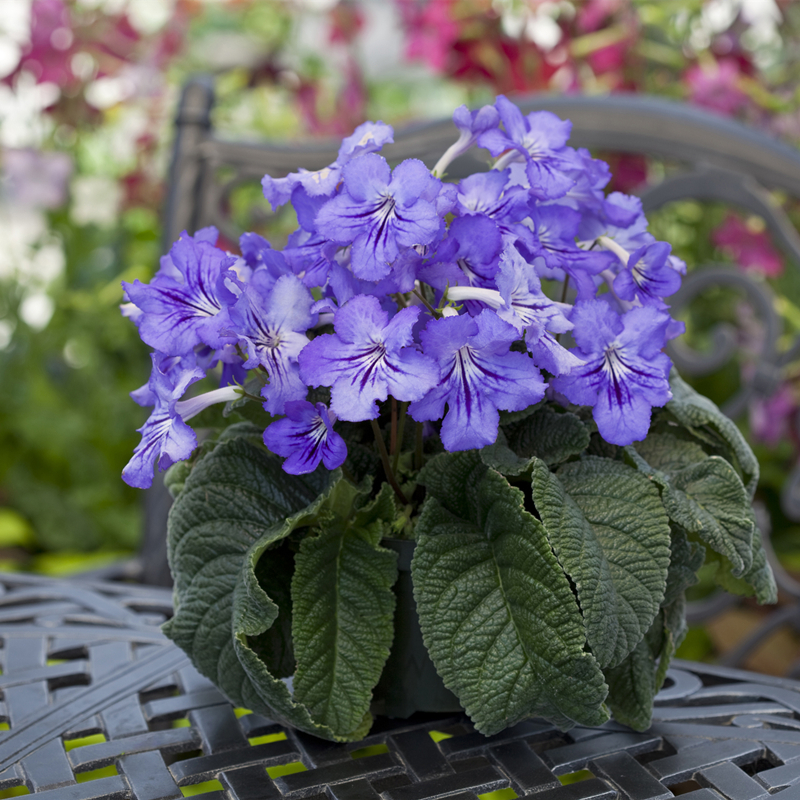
column 87, row 665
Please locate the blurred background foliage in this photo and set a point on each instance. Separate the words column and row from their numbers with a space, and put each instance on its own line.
column 87, row 93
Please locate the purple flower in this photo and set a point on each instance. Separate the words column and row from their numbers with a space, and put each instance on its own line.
column 649, row 276
column 486, row 193
column 166, row 438
column 167, row 267
column 177, row 316
column 469, row 256
column 381, row 213
column 369, row 137
column 470, row 125
column 305, row 436
column 555, row 229
column 309, row 256
column 621, row 219
column 478, row 374
column 625, row 373
column 368, row 358
column 530, row 311
column 541, row 138
column 271, row 321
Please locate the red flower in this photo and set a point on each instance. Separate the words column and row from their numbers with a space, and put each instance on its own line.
column 748, row 246
column 716, row 86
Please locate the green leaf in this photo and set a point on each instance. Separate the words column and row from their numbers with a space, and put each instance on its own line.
column 274, row 646
column 501, row 457
column 696, row 412
column 633, row 684
column 758, row 580
column 631, row 687
column 235, row 505
column 343, row 623
column 708, row 499
column 668, row 452
column 175, row 477
column 609, row 531
column 547, row 435
column 509, row 417
column 497, row 613
column 253, row 614
column 377, row 516
column 686, row 558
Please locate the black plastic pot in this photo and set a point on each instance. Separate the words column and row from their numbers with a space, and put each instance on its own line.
column 409, row 682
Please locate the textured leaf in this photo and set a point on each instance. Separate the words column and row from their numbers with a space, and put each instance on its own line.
column 274, row 570
column 668, row 452
column 236, row 503
column 708, row 499
column 175, row 478
column 633, row 684
column 548, row 435
column 497, row 613
column 509, row 417
column 501, row 457
column 257, row 688
column 609, row 531
column 686, row 558
column 377, row 515
column 343, row 623
column 631, row 687
column 695, row 411
column 758, row 580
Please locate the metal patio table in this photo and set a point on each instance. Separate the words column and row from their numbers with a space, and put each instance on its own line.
column 82, row 659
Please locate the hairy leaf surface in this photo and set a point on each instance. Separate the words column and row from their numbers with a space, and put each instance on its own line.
column 236, row 503
column 497, row 613
column 695, row 411
column 611, row 536
column 707, row 499
column 633, row 684
column 759, row 579
column 343, row 623
column 547, row 435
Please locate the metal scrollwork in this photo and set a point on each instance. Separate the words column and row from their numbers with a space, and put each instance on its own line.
column 766, row 376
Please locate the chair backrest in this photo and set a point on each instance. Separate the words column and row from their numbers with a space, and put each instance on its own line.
column 711, row 158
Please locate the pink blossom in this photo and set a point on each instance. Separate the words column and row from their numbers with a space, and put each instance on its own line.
column 715, row 86
column 432, row 32
column 771, row 417
column 594, row 13
column 750, row 249
column 51, row 44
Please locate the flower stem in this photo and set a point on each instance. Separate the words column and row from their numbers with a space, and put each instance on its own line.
column 400, row 431
column 418, row 448
column 387, row 467
column 564, row 290
column 424, row 301
column 393, row 433
column 563, row 300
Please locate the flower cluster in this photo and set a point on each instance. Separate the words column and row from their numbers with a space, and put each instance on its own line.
column 456, row 300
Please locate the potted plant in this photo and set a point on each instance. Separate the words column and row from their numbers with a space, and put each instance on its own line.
column 464, row 380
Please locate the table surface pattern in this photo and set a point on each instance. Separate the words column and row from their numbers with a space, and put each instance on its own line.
column 87, row 665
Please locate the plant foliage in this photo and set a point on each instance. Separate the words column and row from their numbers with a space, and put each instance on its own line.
column 549, row 580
